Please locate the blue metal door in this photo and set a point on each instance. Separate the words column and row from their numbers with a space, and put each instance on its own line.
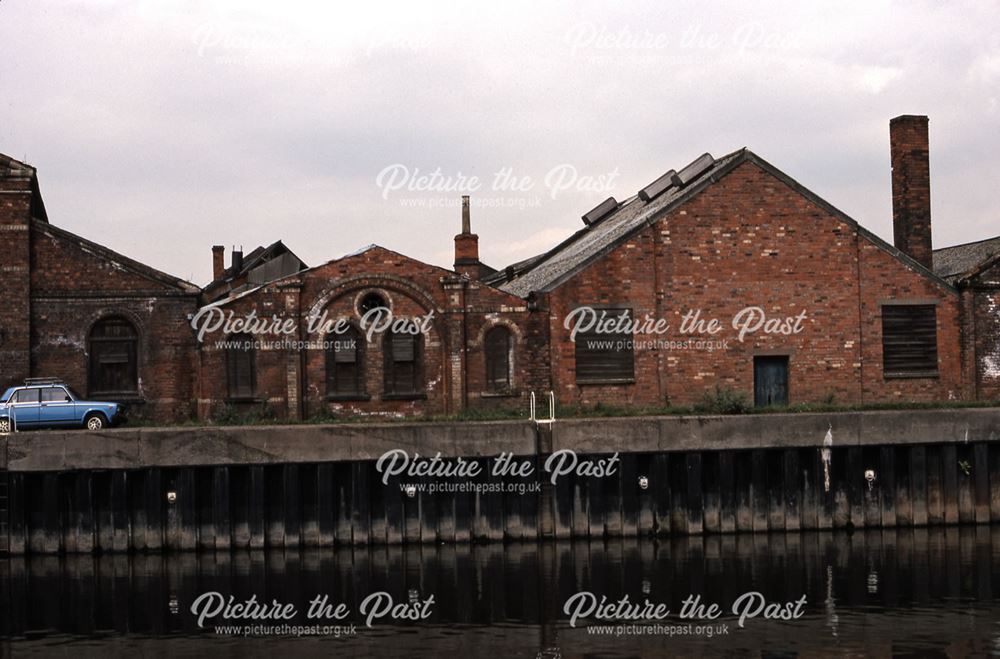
column 770, row 381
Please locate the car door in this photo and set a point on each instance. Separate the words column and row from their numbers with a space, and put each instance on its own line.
column 24, row 407
column 57, row 408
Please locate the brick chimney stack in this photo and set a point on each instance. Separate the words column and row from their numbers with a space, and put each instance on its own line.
column 218, row 261
column 467, row 246
column 911, row 187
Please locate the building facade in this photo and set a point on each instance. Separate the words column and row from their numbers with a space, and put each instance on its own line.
column 724, row 275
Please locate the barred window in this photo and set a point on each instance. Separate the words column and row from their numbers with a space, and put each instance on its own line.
column 909, row 340
column 606, row 357
column 113, row 368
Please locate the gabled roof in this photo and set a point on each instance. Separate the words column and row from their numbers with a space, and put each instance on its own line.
column 258, row 257
column 121, row 260
column 547, row 271
column 962, row 261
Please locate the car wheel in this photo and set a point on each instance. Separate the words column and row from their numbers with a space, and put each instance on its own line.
column 4, row 426
column 95, row 422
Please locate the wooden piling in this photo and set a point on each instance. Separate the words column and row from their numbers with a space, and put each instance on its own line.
column 256, row 521
column 794, row 486
column 221, row 516
column 981, row 482
column 293, row 506
column 326, row 505
column 659, row 483
column 918, row 484
column 759, row 499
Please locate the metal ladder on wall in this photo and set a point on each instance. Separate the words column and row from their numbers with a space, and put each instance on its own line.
column 4, row 513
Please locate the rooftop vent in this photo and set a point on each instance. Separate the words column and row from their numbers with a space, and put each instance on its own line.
column 702, row 164
column 658, row 187
column 600, row 211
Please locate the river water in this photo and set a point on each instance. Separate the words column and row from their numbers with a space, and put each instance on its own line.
column 913, row 593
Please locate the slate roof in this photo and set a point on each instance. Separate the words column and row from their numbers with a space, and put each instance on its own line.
column 953, row 262
column 546, row 271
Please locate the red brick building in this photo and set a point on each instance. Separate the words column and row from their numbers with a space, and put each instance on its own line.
column 726, row 273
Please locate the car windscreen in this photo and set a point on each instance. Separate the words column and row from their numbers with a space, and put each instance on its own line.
column 6, row 395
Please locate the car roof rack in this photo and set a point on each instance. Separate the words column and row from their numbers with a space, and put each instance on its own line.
column 33, row 381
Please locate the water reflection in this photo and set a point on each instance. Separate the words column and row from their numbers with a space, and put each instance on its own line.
column 924, row 592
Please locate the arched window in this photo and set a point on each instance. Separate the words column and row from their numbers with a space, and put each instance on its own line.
column 114, row 365
column 345, row 364
column 403, row 364
column 241, row 366
column 498, row 347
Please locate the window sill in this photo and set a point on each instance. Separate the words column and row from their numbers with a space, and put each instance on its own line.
column 413, row 396
column 347, row 397
column 614, row 381
column 500, row 394
column 911, row 376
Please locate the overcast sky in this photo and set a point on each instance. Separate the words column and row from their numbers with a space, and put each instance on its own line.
column 162, row 128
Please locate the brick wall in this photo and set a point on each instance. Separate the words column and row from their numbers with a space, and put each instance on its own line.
column 453, row 377
column 986, row 331
column 751, row 240
column 74, row 285
column 15, row 327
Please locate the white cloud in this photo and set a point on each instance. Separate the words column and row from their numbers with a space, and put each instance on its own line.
column 161, row 127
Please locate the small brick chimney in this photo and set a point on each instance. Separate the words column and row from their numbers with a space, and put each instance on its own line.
column 467, row 246
column 911, row 187
column 218, row 261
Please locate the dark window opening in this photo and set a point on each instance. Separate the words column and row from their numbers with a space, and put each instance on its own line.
column 770, row 381
column 606, row 355
column 370, row 302
column 498, row 347
column 403, row 364
column 113, row 358
column 345, row 364
column 241, row 367
column 909, row 340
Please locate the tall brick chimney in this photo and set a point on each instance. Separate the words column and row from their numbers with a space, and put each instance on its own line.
column 911, row 186
column 467, row 246
column 218, row 261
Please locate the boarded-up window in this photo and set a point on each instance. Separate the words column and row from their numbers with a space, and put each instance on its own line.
column 345, row 364
column 402, row 364
column 498, row 346
column 909, row 340
column 241, row 367
column 113, row 368
column 606, row 354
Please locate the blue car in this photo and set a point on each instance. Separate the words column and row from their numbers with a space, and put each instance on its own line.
column 52, row 405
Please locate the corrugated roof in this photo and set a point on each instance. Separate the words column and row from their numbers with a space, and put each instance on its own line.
column 957, row 260
column 573, row 254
